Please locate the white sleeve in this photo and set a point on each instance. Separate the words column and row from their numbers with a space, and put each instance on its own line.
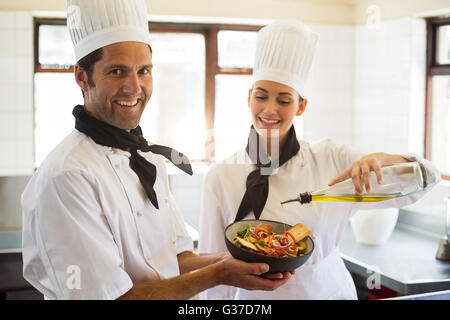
column 69, row 251
column 344, row 155
column 333, row 158
column 211, row 234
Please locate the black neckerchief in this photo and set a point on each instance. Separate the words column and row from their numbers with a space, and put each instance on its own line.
column 110, row 136
column 257, row 185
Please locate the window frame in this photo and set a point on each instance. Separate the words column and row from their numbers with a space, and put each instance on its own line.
column 37, row 22
column 209, row 31
column 433, row 68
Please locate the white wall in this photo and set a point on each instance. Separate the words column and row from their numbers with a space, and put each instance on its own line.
column 389, row 92
column 398, row 9
column 329, row 112
column 16, row 92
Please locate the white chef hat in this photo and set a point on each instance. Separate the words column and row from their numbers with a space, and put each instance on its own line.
column 284, row 54
column 97, row 23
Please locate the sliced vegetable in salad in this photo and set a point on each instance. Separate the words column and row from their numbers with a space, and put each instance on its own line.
column 262, row 240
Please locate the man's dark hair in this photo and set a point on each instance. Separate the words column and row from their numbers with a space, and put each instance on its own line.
column 87, row 64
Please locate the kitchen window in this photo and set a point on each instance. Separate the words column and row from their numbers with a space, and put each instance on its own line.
column 437, row 113
column 202, row 74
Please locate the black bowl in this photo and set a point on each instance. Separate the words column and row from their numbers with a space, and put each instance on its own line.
column 276, row 264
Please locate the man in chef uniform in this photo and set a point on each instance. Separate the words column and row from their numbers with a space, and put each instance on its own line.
column 99, row 221
column 251, row 185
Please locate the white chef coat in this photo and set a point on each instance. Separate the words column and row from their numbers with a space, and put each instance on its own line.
column 89, row 230
column 324, row 275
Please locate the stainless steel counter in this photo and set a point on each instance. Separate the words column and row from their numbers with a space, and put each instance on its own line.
column 406, row 263
column 439, row 295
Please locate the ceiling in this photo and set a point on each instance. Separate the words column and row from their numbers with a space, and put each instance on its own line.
column 342, row 2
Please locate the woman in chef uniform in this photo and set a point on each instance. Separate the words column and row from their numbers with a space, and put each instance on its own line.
column 252, row 183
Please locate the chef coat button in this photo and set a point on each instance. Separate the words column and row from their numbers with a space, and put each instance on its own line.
column 167, row 200
column 139, row 213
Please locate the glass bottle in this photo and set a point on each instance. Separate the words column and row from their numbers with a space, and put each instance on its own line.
column 397, row 180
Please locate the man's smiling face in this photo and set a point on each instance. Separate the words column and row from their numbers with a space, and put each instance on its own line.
column 123, row 84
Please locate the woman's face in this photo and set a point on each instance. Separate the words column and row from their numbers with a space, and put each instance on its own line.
column 273, row 106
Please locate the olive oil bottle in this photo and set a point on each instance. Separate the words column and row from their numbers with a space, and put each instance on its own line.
column 397, row 180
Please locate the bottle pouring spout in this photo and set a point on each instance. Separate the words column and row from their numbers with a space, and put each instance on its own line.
column 304, row 197
column 291, row 200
